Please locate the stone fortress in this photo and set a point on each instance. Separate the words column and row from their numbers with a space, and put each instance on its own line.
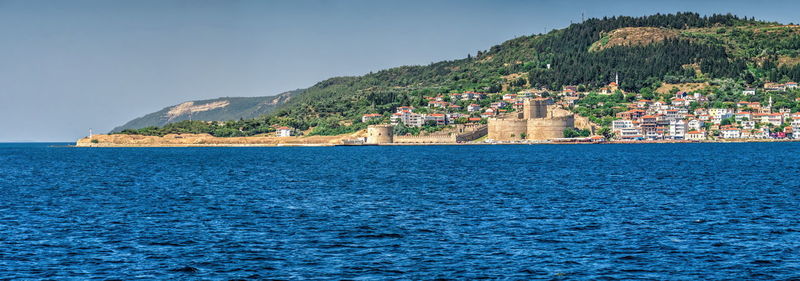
column 539, row 120
column 383, row 134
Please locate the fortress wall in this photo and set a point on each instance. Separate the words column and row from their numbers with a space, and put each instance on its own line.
column 377, row 134
column 473, row 133
column 549, row 128
column 462, row 128
column 507, row 129
column 584, row 123
column 426, row 139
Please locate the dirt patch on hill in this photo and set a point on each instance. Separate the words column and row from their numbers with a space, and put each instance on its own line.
column 513, row 77
column 788, row 61
column 632, row 36
column 685, row 87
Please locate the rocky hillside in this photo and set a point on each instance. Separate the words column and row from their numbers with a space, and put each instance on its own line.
column 220, row 109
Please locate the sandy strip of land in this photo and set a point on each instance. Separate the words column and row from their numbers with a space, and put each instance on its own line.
column 206, row 140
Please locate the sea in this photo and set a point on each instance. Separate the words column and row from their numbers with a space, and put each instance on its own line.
column 714, row 211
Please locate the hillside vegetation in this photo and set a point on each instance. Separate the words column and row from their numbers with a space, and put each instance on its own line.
column 689, row 49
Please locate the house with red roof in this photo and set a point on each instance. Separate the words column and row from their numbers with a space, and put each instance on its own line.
column 284, row 132
column 743, row 115
column 372, row 116
column 774, row 87
column 439, row 118
column 696, row 135
column 679, row 102
column 643, row 103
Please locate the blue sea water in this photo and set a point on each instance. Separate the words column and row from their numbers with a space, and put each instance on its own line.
column 637, row 211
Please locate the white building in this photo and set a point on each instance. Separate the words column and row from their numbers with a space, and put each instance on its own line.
column 630, row 133
column 284, row 132
column 696, row 135
column 748, row 125
column 408, row 118
column 695, row 125
column 775, row 119
column 618, row 125
column 677, row 129
column 367, row 117
column 730, row 133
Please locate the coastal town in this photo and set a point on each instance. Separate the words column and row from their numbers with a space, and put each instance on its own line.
column 573, row 114
column 679, row 116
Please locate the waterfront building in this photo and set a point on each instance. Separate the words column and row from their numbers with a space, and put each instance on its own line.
column 730, row 133
column 696, row 135
column 677, row 129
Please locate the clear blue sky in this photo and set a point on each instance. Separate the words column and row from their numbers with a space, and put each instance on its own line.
column 66, row 66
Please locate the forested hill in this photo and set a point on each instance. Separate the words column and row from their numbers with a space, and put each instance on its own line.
column 643, row 51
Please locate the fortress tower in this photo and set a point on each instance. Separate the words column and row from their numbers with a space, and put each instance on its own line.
column 379, row 134
column 535, row 108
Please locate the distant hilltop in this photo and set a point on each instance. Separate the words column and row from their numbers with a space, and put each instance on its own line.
column 219, row 109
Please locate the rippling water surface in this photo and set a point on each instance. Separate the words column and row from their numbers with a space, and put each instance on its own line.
column 650, row 211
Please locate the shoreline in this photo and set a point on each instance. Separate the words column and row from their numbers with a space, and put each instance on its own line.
column 167, row 145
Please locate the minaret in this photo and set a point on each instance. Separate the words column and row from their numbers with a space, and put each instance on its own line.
column 616, row 78
column 770, row 104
